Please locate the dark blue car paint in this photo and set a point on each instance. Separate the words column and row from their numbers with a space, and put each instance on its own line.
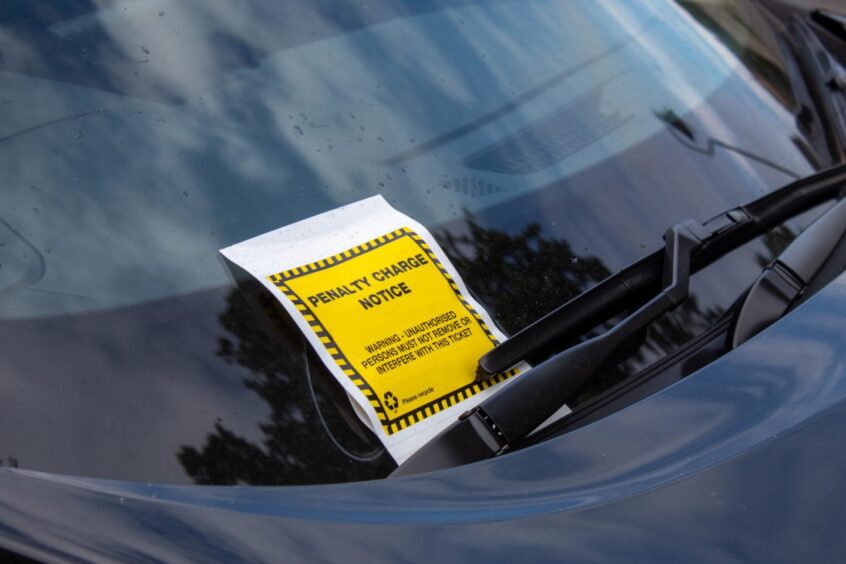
column 741, row 461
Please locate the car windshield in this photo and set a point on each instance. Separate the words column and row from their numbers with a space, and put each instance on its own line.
column 546, row 144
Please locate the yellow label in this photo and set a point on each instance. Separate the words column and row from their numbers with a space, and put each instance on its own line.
column 396, row 324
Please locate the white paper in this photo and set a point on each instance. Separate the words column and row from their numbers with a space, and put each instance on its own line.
column 332, row 233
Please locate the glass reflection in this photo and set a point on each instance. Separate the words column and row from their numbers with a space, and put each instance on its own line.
column 525, row 276
column 312, row 434
column 150, row 135
column 519, row 276
column 136, row 139
column 770, row 60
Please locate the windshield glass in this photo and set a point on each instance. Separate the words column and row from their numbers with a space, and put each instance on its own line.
column 546, row 143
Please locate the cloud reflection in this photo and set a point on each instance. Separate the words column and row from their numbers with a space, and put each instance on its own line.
column 223, row 121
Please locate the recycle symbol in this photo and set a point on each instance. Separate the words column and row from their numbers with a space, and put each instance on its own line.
column 391, row 401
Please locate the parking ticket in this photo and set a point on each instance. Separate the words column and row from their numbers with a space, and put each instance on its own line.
column 386, row 312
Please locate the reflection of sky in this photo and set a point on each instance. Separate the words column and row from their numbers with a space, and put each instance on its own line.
column 134, row 201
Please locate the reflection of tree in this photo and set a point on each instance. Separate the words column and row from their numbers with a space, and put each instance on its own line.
column 296, row 448
column 520, row 277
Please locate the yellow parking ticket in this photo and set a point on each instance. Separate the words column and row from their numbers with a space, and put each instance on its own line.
column 386, row 312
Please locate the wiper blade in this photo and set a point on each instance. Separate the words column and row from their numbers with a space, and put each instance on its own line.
column 564, row 325
column 510, row 415
column 782, row 284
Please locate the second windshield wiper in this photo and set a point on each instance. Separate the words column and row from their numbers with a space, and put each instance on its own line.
column 510, row 415
column 784, row 281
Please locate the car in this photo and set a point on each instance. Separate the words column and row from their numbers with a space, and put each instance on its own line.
column 644, row 195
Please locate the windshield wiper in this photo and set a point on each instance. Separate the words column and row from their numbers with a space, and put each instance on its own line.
column 784, row 281
column 520, row 407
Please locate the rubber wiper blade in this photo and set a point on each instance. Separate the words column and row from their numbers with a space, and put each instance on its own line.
column 507, row 417
column 785, row 280
column 631, row 287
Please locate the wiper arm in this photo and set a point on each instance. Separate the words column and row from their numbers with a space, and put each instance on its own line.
column 565, row 324
column 510, row 415
column 786, row 279
column 516, row 411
